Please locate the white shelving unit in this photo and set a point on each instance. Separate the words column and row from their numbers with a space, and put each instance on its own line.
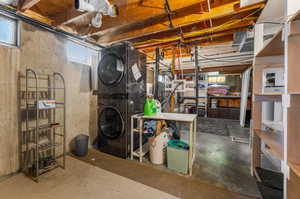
column 281, row 135
column 190, row 91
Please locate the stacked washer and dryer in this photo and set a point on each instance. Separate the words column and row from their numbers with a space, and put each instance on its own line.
column 121, row 93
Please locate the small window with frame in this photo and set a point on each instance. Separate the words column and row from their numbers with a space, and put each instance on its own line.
column 9, row 31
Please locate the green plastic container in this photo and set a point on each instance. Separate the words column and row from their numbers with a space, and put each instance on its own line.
column 150, row 107
column 178, row 156
column 154, row 106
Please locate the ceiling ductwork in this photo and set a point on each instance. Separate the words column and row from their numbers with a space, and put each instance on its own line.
column 100, row 7
column 244, row 41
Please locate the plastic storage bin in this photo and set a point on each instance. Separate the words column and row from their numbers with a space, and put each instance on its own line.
column 177, row 156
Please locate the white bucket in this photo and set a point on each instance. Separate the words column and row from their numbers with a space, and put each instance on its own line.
column 158, row 146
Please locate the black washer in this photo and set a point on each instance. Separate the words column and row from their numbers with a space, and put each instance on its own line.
column 111, row 123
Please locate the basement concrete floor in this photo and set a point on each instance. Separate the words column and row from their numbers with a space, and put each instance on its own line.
column 177, row 185
column 78, row 181
column 220, row 161
column 221, row 168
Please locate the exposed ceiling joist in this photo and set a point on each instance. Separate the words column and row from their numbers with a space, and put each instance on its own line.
column 37, row 16
column 146, row 23
column 69, row 16
column 27, row 4
column 222, row 69
column 195, row 41
column 168, row 53
column 204, row 42
column 131, row 12
column 179, row 10
column 180, row 20
column 169, row 38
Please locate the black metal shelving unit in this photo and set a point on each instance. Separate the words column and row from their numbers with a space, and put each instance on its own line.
column 43, row 130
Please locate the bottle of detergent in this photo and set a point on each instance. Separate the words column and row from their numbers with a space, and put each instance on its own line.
column 154, row 106
column 150, row 106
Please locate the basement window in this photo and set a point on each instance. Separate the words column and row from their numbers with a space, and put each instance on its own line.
column 81, row 54
column 8, row 31
column 216, row 79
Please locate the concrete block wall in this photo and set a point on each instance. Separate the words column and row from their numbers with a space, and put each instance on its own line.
column 44, row 52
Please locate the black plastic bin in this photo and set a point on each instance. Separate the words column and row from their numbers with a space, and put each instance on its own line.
column 81, row 145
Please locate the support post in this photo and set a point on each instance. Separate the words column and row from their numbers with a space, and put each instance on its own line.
column 197, row 78
column 156, row 73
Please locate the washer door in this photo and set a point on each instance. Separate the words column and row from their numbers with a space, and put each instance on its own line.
column 111, row 69
column 111, row 123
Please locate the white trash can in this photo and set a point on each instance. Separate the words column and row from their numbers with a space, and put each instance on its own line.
column 158, row 146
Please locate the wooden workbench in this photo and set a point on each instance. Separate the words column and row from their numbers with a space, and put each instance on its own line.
column 179, row 117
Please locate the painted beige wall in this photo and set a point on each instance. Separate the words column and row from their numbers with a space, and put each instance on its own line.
column 9, row 67
column 44, row 52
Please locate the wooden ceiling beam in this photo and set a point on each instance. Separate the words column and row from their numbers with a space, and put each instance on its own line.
column 179, row 9
column 204, row 41
column 174, row 39
column 143, row 29
column 168, row 53
column 227, row 69
column 131, row 12
column 193, row 41
column 186, row 50
column 199, row 27
column 67, row 17
column 27, row 4
column 221, row 69
column 38, row 17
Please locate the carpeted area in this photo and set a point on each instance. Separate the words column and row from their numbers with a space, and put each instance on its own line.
column 180, row 186
column 78, row 181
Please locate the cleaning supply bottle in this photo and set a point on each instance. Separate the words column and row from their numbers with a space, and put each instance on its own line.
column 148, row 107
column 154, row 106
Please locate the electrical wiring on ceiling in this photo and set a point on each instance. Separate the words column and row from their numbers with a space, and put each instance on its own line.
column 201, row 32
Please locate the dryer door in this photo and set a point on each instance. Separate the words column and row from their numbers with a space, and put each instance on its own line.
column 111, row 69
column 111, row 123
